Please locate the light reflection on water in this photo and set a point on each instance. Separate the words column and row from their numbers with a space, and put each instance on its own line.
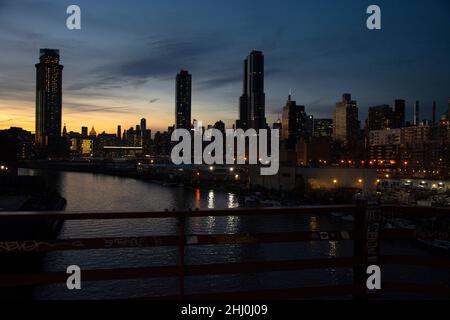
column 211, row 202
column 96, row 192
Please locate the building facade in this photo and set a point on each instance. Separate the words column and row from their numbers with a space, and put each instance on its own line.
column 48, row 98
column 252, row 103
column 346, row 124
column 183, row 100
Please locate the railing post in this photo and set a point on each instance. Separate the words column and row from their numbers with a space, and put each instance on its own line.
column 367, row 246
column 181, row 254
column 360, row 250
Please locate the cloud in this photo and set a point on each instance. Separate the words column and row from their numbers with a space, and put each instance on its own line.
column 76, row 108
column 219, row 82
column 159, row 59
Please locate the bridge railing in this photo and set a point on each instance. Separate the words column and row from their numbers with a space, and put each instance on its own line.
column 366, row 236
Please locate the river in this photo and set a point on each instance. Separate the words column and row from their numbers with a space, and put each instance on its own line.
column 98, row 192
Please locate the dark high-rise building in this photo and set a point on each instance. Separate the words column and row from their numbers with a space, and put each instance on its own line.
column 119, row 132
column 309, row 125
column 448, row 113
column 346, row 126
column 48, row 98
column 387, row 117
column 293, row 123
column 323, row 128
column 84, row 132
column 434, row 113
column 252, row 103
column 416, row 114
column 143, row 127
column 399, row 113
column 380, row 117
column 183, row 100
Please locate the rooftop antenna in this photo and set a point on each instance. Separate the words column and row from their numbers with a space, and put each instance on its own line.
column 290, row 95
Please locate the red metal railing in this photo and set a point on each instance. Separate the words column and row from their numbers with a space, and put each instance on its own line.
column 362, row 235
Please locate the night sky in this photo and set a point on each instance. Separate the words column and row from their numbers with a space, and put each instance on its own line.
column 121, row 65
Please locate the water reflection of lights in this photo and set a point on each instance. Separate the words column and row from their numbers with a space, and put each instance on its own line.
column 232, row 224
column 210, row 224
column 211, row 200
column 197, row 198
column 232, row 201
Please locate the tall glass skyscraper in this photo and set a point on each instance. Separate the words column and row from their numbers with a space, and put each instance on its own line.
column 48, row 98
column 183, row 100
column 252, row 103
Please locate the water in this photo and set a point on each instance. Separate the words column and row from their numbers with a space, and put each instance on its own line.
column 97, row 192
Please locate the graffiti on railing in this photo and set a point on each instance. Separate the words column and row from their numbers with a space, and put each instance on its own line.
column 33, row 245
column 132, row 242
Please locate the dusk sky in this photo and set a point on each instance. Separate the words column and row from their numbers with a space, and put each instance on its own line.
column 121, row 65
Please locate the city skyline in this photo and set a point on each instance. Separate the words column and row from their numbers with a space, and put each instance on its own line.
column 311, row 61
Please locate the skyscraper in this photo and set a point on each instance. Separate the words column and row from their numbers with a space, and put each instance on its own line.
column 48, row 98
column 323, row 128
column 434, row 113
column 346, row 124
column 387, row 117
column 143, row 127
column 252, row 103
column 183, row 100
column 399, row 113
column 293, row 123
column 84, row 132
column 448, row 113
column 119, row 132
column 416, row 114
column 380, row 117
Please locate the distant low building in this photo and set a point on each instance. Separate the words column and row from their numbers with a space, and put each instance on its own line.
column 87, row 147
column 290, row 177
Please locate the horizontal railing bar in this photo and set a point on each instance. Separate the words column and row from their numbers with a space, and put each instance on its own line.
column 424, row 261
column 272, row 266
column 311, row 292
column 62, row 215
column 437, row 291
column 269, row 294
column 417, row 210
column 24, row 246
column 156, row 241
column 42, row 278
column 85, row 244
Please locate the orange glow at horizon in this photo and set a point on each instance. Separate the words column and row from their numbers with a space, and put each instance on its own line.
column 103, row 113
